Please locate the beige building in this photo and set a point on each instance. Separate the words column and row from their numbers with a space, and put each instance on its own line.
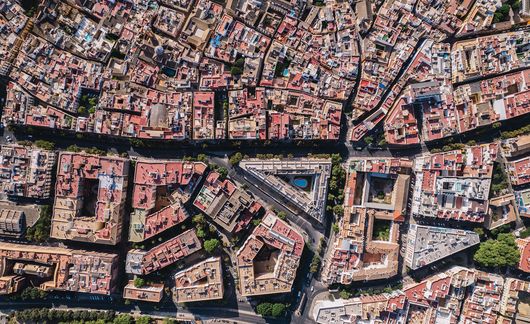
column 200, row 282
column 149, row 292
column 12, row 222
column 57, row 269
column 268, row 260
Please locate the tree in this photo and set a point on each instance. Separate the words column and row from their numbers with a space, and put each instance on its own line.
column 338, row 210
column 223, row 172
column 315, row 264
column 505, row 228
column 46, row 145
column 278, row 310
column 525, row 233
column 479, row 231
column 136, row 142
column 123, row 319
column 211, row 245
column 344, row 294
column 498, row 253
column 335, row 227
column 139, row 282
column 201, row 233
column 236, row 70
column 240, row 62
column 264, row 309
column 282, row 215
column 236, row 158
column 143, row 320
column 198, row 220
column 73, row 148
column 368, row 140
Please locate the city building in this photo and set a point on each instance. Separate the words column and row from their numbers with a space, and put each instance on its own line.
column 161, row 189
column 25, row 171
column 90, row 194
column 455, row 184
column 140, row 262
column 230, row 207
column 366, row 246
column 484, row 301
column 514, row 302
column 268, row 260
column 200, row 282
column 150, row 292
column 12, row 222
column 501, row 211
column 515, row 146
column 428, row 244
column 519, row 171
column 436, row 299
column 488, row 55
column 302, row 183
column 524, row 249
column 56, row 268
column 522, row 201
column 457, row 295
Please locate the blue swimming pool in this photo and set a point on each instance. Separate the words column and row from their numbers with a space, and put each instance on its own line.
column 300, row 182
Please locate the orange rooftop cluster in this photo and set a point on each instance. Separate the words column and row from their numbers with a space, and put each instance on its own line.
column 161, row 188
column 90, row 196
column 140, row 262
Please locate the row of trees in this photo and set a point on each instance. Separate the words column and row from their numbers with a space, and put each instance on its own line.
column 517, row 132
column 88, row 150
column 348, row 292
column 38, row 315
column 30, row 293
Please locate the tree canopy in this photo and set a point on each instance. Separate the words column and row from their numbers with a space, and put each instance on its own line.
column 139, row 282
column 211, row 245
column 497, row 253
column 270, row 309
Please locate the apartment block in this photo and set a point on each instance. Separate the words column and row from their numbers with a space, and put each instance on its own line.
column 230, row 207
column 161, row 188
column 437, row 297
column 25, row 171
column 12, row 222
column 454, row 185
column 90, row 194
column 152, row 292
column 269, row 258
column 303, row 183
column 200, row 282
column 56, row 268
column 366, row 247
column 140, row 262
column 428, row 244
